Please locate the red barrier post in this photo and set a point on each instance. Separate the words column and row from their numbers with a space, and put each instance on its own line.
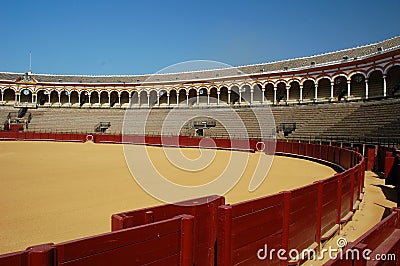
column 286, row 221
column 339, row 197
column 148, row 217
column 224, row 244
column 360, row 261
column 319, row 213
column 389, row 162
column 41, row 255
column 352, row 184
column 187, row 240
column 371, row 159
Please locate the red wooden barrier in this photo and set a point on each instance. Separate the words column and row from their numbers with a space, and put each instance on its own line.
column 245, row 228
column 280, row 146
column 169, row 242
column 203, row 210
column 382, row 239
column 303, row 228
column 346, row 199
column 371, row 159
column 295, row 147
column 330, row 153
column 330, row 207
column 19, row 258
column 389, row 162
column 303, row 149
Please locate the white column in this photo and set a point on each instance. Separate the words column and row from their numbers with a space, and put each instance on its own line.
column 187, row 98
column 262, row 96
column 287, row 94
column 79, row 98
column 109, row 99
column 119, row 99
column 218, row 92
column 177, row 98
column 208, row 98
column 240, row 96
column 48, row 97
column 348, row 89
column 69, row 98
column 158, row 98
column 99, row 94
column 366, row 89
column 229, row 96
column 316, row 93
column 332, row 84
column 2, row 96
column 275, row 89
column 251, row 96
column 32, row 98
column 384, row 85
column 168, row 98
column 301, row 93
column 197, row 97
column 139, row 98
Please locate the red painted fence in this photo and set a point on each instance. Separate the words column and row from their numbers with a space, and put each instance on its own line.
column 168, row 242
column 211, row 231
column 382, row 239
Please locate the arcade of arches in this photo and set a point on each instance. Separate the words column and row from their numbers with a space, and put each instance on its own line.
column 354, row 86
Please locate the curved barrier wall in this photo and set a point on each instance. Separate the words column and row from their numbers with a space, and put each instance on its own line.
column 212, row 232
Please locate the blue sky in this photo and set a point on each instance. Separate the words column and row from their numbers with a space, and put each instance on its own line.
column 143, row 37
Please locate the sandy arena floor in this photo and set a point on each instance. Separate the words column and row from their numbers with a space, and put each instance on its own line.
column 54, row 192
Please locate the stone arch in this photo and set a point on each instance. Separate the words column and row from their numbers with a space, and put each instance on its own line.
column 64, row 98
column 42, row 96
column 324, row 88
column 113, row 98
column 357, row 85
column 281, row 92
column 173, row 97
column 234, row 94
column 54, row 96
column 74, row 97
column 223, row 94
column 294, row 91
column 339, row 87
column 203, row 92
column 309, row 89
column 182, row 96
column 142, row 95
column 9, row 95
column 269, row 92
column 25, row 95
column 213, row 95
column 257, row 94
column 245, row 90
column 393, row 81
column 94, row 97
column 192, row 96
column 163, row 96
column 104, row 97
column 125, row 98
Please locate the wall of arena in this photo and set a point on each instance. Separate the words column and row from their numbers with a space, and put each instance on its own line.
column 204, row 233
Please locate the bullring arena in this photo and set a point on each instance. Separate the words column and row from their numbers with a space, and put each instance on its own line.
column 334, row 174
